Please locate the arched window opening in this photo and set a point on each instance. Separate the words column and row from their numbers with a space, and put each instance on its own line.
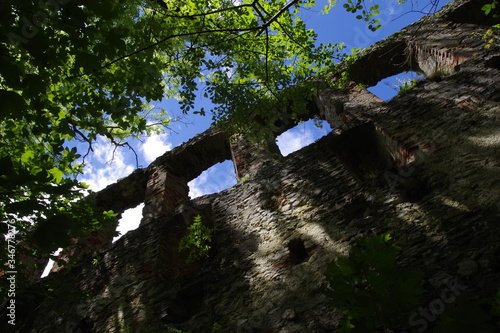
column 302, row 135
column 217, row 178
column 395, row 85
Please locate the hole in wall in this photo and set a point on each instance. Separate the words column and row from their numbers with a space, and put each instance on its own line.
column 297, row 251
column 363, row 151
column 185, row 303
column 493, row 62
column 130, row 220
column 302, row 135
column 355, row 207
column 397, row 84
column 217, row 178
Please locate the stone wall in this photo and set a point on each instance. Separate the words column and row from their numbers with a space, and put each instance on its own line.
column 423, row 167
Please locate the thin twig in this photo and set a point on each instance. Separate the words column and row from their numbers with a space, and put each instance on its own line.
column 160, row 42
column 221, row 10
column 84, row 138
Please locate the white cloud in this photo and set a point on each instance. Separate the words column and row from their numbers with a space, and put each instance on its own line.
column 215, row 179
column 294, row 139
column 197, row 187
column 300, row 136
column 154, row 146
column 130, row 220
column 105, row 165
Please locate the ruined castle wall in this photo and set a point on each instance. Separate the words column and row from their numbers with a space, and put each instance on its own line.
column 423, row 167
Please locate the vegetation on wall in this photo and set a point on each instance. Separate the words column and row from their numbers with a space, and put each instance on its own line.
column 376, row 294
column 492, row 9
column 466, row 315
column 406, row 85
column 197, row 241
column 368, row 285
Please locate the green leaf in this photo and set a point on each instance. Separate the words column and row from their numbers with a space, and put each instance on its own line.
column 57, row 174
column 109, row 213
column 12, row 105
column 27, row 156
column 487, row 9
column 346, row 325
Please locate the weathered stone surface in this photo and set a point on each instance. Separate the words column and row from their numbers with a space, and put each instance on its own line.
column 423, row 167
column 126, row 193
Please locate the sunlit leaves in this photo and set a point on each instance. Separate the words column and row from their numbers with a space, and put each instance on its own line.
column 488, row 8
column 366, row 13
column 197, row 241
column 57, row 174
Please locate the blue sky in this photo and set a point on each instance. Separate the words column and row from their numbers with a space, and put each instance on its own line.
column 107, row 165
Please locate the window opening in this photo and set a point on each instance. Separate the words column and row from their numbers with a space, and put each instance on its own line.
column 302, row 135
column 363, row 151
column 50, row 264
column 395, row 85
column 217, row 178
column 130, row 220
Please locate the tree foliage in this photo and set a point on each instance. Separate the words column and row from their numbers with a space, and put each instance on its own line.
column 72, row 71
column 197, row 241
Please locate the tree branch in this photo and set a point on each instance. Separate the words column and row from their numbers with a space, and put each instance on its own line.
column 84, row 138
column 278, row 14
column 122, row 144
column 260, row 30
column 221, row 10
